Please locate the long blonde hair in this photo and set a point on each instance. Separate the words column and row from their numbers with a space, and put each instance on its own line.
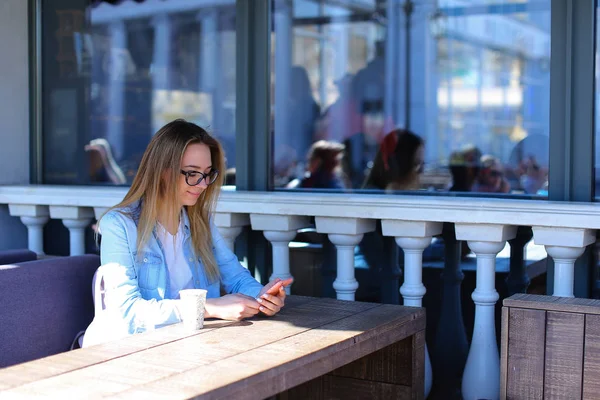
column 162, row 159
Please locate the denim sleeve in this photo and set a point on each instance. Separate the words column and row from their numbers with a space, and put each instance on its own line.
column 234, row 277
column 122, row 292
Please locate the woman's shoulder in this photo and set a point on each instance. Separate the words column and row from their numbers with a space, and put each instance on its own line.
column 118, row 216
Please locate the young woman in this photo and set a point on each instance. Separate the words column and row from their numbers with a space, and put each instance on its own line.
column 160, row 239
column 398, row 164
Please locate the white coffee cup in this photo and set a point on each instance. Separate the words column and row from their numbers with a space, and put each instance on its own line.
column 192, row 308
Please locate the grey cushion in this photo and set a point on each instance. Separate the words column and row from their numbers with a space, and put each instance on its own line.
column 43, row 305
column 15, row 256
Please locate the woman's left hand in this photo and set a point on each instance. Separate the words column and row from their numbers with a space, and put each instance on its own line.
column 271, row 304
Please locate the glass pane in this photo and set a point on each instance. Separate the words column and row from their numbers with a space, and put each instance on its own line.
column 113, row 74
column 464, row 107
column 597, row 113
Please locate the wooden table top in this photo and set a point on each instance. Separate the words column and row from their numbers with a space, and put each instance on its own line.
column 254, row 358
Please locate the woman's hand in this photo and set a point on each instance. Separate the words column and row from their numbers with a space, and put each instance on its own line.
column 232, row 307
column 272, row 296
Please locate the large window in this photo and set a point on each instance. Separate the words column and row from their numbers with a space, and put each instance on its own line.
column 463, row 106
column 114, row 72
column 597, row 114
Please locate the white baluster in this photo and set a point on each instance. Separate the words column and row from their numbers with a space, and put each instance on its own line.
column 34, row 217
column 35, row 233
column 280, row 240
column 77, row 234
column 564, row 268
column 230, row 226
column 345, row 283
column 412, row 289
column 345, row 234
column 413, row 237
column 76, row 219
column 481, row 378
column 279, row 230
column 565, row 246
column 230, row 234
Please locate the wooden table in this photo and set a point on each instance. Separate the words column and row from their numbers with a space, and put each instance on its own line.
column 315, row 348
column 550, row 348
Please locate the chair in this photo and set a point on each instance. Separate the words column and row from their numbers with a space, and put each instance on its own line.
column 16, row 256
column 45, row 303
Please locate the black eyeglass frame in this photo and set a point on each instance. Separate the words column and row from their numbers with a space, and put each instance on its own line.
column 212, row 175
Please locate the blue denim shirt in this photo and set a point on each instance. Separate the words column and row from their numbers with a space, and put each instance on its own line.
column 136, row 285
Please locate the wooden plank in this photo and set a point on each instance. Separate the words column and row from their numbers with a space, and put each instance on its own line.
column 578, row 304
column 516, row 299
column 59, row 364
column 73, row 360
column 564, row 355
column 552, row 303
column 176, row 357
column 418, row 366
column 526, row 348
column 267, row 370
column 393, row 364
column 504, row 328
column 337, row 387
column 295, row 301
column 591, row 363
column 333, row 305
column 312, row 390
column 341, row 387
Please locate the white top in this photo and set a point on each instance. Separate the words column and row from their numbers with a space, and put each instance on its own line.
column 180, row 276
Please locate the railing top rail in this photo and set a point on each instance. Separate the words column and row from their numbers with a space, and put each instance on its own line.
column 503, row 211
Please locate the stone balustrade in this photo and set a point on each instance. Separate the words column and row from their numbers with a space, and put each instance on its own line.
column 565, row 229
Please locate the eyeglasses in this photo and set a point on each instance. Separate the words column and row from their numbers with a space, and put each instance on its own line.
column 194, row 178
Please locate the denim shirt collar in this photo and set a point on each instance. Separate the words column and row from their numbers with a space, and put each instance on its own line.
column 135, row 210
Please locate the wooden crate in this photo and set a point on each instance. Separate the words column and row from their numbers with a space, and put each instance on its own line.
column 550, row 348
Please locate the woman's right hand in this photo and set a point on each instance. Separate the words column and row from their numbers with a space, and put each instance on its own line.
column 232, row 307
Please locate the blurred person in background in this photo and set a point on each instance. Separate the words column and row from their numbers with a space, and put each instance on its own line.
column 527, row 166
column 103, row 167
column 323, row 167
column 399, row 162
column 491, row 177
column 464, row 167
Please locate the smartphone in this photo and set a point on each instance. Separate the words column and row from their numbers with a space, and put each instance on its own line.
column 275, row 288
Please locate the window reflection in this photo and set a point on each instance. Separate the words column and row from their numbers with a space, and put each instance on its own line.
column 116, row 71
column 476, row 97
